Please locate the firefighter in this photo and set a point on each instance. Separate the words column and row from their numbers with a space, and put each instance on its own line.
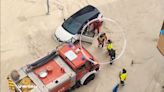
column 112, row 55
column 111, row 51
column 101, row 39
column 109, row 46
column 11, row 85
column 122, row 76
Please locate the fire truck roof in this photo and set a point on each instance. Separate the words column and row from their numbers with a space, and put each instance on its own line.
column 69, row 58
column 73, row 56
column 54, row 70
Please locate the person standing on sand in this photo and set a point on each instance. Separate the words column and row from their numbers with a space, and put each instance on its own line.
column 115, row 89
column 122, row 76
column 97, row 25
column 112, row 55
column 101, row 39
column 109, row 46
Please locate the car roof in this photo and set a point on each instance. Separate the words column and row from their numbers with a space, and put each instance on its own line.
column 80, row 18
column 85, row 14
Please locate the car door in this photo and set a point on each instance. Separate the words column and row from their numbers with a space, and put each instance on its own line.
column 88, row 35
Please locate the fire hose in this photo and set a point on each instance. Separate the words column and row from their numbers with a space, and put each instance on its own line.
column 123, row 34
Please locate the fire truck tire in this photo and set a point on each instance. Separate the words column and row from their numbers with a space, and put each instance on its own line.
column 89, row 79
column 77, row 85
column 68, row 90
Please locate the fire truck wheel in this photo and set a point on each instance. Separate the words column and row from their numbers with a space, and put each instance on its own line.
column 77, row 85
column 68, row 90
column 90, row 78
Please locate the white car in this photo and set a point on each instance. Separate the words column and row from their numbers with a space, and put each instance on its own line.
column 71, row 29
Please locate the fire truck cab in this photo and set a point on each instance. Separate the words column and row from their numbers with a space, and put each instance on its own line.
column 62, row 70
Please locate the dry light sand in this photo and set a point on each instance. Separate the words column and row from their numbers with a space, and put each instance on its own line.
column 26, row 34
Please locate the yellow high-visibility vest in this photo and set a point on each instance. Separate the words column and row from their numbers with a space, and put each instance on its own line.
column 109, row 46
column 11, row 85
column 123, row 76
column 10, row 82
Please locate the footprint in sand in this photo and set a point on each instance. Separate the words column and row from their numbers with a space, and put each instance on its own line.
column 22, row 18
column 30, row 1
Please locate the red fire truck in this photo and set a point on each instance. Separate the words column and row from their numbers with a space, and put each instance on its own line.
column 60, row 71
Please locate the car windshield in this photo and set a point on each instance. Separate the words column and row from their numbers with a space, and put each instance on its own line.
column 72, row 26
column 75, row 23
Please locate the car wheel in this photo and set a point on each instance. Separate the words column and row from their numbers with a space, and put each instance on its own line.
column 76, row 42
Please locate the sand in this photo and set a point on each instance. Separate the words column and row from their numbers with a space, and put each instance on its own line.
column 26, row 34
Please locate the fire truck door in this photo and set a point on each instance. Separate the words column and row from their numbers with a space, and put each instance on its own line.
column 81, row 71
